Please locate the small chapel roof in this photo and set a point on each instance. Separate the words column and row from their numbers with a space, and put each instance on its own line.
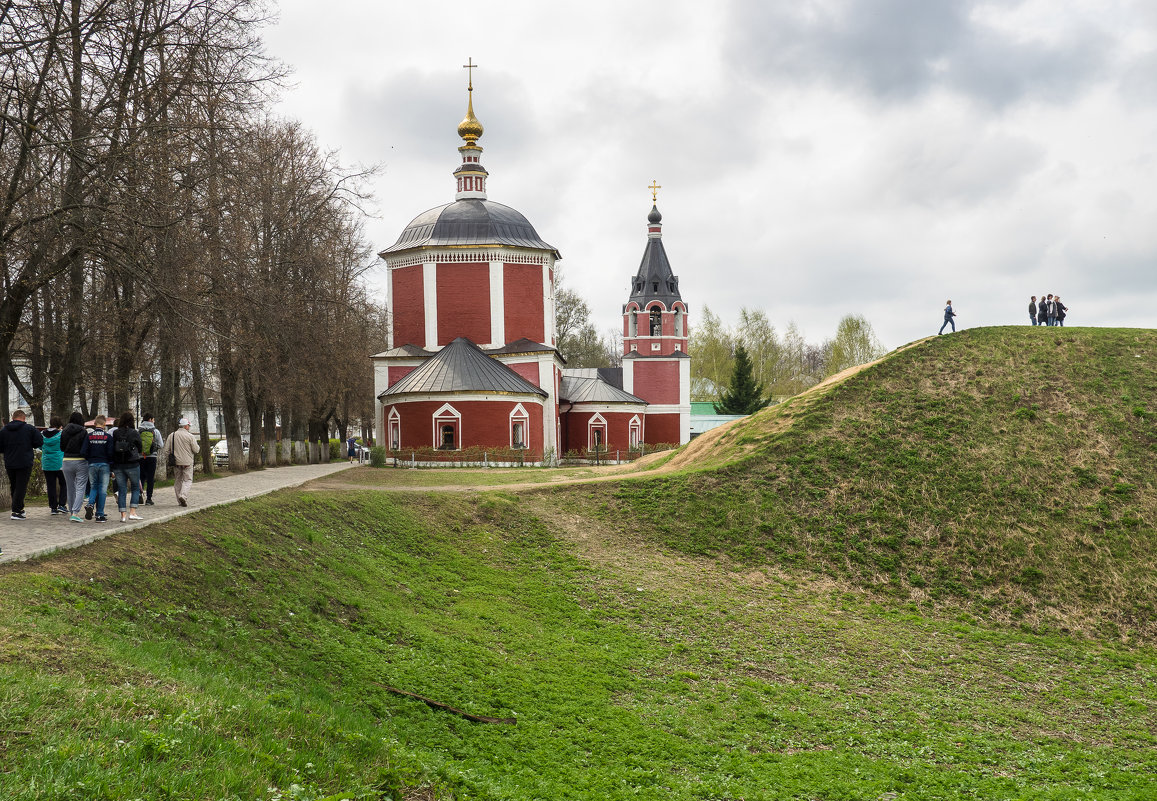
column 461, row 366
column 584, row 389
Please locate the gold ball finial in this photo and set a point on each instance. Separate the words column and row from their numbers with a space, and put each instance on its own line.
column 470, row 129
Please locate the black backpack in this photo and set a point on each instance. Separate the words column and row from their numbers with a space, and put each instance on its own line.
column 124, row 450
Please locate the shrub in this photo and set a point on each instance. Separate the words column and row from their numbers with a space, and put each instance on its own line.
column 377, row 456
column 334, row 449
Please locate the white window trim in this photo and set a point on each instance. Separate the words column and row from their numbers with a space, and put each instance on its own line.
column 394, row 423
column 519, row 415
column 445, row 414
column 635, row 431
column 597, row 421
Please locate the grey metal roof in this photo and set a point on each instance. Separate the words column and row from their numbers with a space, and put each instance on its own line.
column 469, row 222
column 578, row 389
column 402, row 351
column 461, row 366
column 522, row 345
column 611, row 375
column 654, row 280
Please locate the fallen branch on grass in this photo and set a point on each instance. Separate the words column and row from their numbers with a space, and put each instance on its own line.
column 447, row 707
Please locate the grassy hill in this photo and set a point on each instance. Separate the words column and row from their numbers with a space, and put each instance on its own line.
column 1014, row 469
column 824, row 616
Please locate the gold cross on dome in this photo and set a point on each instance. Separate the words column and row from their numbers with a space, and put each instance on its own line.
column 654, row 187
column 470, row 66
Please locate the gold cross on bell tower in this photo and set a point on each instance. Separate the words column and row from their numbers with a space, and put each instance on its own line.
column 654, row 187
column 470, row 66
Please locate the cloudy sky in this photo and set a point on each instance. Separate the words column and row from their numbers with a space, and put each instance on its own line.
column 817, row 157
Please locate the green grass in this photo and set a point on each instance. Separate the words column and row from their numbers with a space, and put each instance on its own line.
column 887, row 589
column 1007, row 469
column 403, row 478
column 222, row 655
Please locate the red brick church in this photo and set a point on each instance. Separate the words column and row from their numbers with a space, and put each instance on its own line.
column 472, row 363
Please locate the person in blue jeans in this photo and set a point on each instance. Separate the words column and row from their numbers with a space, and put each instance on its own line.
column 1032, row 310
column 126, row 448
column 97, row 450
column 948, row 315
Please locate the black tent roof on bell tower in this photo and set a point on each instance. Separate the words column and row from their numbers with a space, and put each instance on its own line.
column 654, row 280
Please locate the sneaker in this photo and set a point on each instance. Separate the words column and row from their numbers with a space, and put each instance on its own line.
column 63, row 509
column 135, row 517
column 55, row 511
column 149, row 502
column 101, row 519
column 88, row 511
column 182, row 502
column 18, row 516
column 124, row 518
column 76, row 519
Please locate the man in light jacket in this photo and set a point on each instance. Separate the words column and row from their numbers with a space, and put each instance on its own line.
column 184, row 448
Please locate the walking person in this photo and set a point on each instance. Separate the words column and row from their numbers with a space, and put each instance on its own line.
column 151, row 444
column 97, row 449
column 184, row 449
column 1032, row 310
column 18, row 442
column 352, row 449
column 1042, row 315
column 948, row 315
column 75, row 466
column 126, row 449
column 1060, row 309
column 52, row 465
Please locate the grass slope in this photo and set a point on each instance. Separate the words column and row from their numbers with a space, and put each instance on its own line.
column 239, row 654
column 1011, row 469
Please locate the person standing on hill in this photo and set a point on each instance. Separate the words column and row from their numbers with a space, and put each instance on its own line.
column 151, row 444
column 948, row 315
column 183, row 447
column 52, row 465
column 1051, row 311
column 1060, row 310
column 18, row 442
column 75, row 467
column 1042, row 311
column 97, row 449
column 1032, row 310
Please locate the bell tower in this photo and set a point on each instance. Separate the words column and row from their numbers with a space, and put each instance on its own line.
column 656, row 364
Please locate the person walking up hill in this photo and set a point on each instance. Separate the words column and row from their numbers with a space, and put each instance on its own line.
column 18, row 442
column 948, row 315
column 152, row 442
column 183, row 448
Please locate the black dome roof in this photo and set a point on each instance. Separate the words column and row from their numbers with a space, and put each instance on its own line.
column 469, row 222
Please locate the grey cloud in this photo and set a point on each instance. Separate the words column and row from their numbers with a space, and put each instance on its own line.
column 900, row 49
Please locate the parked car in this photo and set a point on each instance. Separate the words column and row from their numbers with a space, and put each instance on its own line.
column 221, row 452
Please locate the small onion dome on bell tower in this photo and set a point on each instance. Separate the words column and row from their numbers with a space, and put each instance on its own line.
column 471, row 175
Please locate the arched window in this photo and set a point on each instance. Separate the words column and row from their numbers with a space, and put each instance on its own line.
column 597, row 433
column 447, row 428
column 395, row 428
column 633, row 322
column 678, row 321
column 519, row 427
column 656, row 322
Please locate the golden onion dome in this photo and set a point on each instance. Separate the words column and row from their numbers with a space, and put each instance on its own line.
column 470, row 128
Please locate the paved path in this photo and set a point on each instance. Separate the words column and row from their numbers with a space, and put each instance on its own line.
column 44, row 532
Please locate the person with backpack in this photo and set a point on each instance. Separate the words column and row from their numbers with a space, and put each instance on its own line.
column 948, row 315
column 98, row 450
column 52, row 465
column 74, row 466
column 127, row 451
column 151, row 444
